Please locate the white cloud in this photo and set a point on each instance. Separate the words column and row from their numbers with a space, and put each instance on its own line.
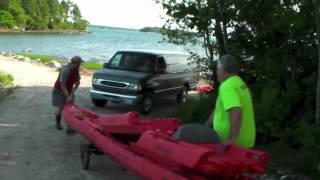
column 122, row 13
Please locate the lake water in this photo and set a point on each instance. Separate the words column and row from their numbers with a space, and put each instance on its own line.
column 101, row 44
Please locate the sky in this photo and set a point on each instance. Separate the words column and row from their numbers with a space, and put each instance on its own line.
column 134, row 14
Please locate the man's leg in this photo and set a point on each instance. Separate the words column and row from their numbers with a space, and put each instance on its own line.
column 69, row 129
column 58, row 118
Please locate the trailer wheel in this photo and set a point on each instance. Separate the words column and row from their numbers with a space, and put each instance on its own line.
column 85, row 154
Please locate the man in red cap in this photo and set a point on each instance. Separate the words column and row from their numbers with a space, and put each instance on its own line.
column 66, row 84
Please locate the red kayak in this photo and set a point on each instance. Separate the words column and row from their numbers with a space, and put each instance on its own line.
column 159, row 148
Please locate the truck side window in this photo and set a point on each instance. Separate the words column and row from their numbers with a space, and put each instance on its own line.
column 174, row 64
column 161, row 64
column 116, row 60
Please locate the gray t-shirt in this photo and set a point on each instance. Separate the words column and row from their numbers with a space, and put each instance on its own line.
column 64, row 74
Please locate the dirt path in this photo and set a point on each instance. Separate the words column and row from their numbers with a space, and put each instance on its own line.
column 30, row 146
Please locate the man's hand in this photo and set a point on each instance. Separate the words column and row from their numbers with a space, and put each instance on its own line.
column 75, row 87
column 70, row 99
column 77, row 84
column 225, row 145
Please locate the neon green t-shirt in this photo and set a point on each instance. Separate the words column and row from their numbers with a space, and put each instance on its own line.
column 233, row 92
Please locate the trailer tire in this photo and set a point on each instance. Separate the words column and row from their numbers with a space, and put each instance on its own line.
column 85, row 154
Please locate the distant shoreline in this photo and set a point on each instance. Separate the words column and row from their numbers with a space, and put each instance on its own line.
column 44, row 31
column 152, row 29
column 164, row 31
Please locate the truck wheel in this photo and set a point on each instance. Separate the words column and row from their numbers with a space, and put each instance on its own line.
column 99, row 103
column 146, row 104
column 183, row 95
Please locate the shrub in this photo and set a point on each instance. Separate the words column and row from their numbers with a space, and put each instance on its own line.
column 5, row 80
column 197, row 110
column 297, row 151
column 6, row 19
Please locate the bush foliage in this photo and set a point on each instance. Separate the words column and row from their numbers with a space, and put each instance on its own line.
column 5, row 80
column 276, row 42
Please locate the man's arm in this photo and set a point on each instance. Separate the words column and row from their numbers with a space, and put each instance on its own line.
column 77, row 84
column 235, row 122
column 63, row 80
column 209, row 122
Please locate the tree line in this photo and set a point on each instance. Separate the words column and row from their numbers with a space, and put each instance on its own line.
column 41, row 15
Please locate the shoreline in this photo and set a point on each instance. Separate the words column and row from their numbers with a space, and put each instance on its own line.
column 17, row 31
column 87, row 68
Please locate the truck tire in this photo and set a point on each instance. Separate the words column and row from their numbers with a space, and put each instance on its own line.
column 183, row 95
column 146, row 104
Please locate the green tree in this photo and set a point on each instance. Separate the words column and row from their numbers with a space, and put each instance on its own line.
column 78, row 22
column 6, row 19
column 55, row 21
column 65, row 8
column 43, row 16
column 76, row 13
column 317, row 22
column 81, row 24
column 18, row 12
column 276, row 42
column 210, row 18
column 31, row 9
column 5, row 4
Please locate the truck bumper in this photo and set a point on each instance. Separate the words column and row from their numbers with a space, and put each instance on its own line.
column 119, row 98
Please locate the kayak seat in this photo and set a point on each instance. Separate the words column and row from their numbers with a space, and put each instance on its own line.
column 197, row 134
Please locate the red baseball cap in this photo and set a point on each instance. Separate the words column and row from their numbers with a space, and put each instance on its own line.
column 76, row 60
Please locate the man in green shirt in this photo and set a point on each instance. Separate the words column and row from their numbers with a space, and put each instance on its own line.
column 233, row 116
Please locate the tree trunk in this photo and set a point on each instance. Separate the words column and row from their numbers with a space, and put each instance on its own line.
column 225, row 36
column 219, row 37
column 317, row 18
column 224, row 24
column 208, row 46
column 218, row 31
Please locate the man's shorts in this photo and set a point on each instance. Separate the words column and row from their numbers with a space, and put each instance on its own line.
column 58, row 98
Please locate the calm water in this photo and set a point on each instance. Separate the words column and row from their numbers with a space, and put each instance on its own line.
column 100, row 45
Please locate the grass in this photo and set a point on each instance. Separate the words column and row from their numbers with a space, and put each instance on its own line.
column 5, row 80
column 35, row 56
column 91, row 65
column 85, row 65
